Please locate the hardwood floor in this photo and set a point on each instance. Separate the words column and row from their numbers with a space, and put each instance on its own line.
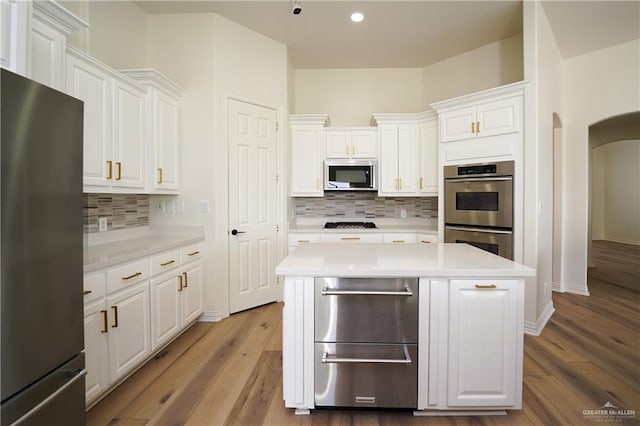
column 230, row 372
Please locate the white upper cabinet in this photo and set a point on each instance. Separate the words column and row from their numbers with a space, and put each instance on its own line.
column 50, row 26
column 490, row 119
column 307, row 154
column 408, row 154
column 115, row 126
column 351, row 143
column 163, row 129
column 14, row 34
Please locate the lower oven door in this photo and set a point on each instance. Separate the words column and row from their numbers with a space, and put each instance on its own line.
column 366, row 375
column 496, row 241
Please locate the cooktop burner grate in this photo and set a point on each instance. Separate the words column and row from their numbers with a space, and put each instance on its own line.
column 349, row 225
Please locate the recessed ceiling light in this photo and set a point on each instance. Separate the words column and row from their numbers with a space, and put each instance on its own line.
column 357, row 17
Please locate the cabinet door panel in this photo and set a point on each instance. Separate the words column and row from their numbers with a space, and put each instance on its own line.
column 306, row 166
column 483, row 339
column 129, row 336
column 165, row 310
column 407, row 159
column 338, row 143
column 95, row 350
column 166, row 144
column 93, row 87
column 388, row 161
column 500, row 117
column 192, row 294
column 364, row 143
column 457, row 125
column 47, row 55
column 129, row 145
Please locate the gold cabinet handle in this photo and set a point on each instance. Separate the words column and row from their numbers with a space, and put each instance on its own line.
column 159, row 174
column 193, row 253
column 485, row 286
column 304, row 241
column 115, row 316
column 169, row 262
column 109, row 169
column 128, row 277
column 84, row 293
column 400, row 183
column 186, row 279
column 119, row 167
column 420, row 183
column 425, row 241
column 473, row 127
column 350, row 238
column 477, row 127
column 398, row 241
column 180, row 283
column 105, row 328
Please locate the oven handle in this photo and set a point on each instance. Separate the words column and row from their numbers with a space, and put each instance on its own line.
column 327, row 292
column 405, row 361
column 484, row 230
column 478, row 179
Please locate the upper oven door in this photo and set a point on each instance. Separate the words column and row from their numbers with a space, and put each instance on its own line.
column 479, row 201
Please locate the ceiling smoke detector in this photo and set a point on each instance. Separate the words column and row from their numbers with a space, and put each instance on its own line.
column 295, row 7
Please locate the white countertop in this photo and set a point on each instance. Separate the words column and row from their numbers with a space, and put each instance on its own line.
column 152, row 240
column 398, row 260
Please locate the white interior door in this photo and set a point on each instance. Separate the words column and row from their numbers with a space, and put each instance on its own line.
column 252, row 205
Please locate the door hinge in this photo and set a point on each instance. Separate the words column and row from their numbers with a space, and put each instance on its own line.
column 277, row 178
column 277, row 280
column 277, row 228
column 277, row 126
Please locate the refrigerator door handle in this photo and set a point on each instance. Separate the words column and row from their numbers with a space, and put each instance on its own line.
column 45, row 402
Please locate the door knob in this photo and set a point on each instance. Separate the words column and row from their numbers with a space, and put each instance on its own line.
column 236, row 232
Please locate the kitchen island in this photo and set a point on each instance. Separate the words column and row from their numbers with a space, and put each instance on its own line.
column 469, row 323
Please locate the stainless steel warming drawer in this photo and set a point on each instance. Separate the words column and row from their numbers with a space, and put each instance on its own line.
column 366, row 335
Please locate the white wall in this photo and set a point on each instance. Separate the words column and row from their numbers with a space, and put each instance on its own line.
column 351, row 96
column 616, row 192
column 117, row 34
column 212, row 57
column 493, row 65
column 596, row 86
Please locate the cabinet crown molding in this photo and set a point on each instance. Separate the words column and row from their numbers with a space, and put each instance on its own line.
column 301, row 119
column 73, row 51
column 493, row 94
column 402, row 118
column 54, row 14
column 150, row 77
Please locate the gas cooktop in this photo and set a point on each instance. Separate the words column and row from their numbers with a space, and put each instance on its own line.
column 349, row 225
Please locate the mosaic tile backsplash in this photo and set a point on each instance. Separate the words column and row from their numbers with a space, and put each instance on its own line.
column 365, row 204
column 121, row 210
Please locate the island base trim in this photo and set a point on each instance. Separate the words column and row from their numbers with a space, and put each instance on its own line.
column 302, row 412
column 438, row 413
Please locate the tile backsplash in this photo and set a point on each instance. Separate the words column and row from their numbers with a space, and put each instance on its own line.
column 365, row 204
column 121, row 210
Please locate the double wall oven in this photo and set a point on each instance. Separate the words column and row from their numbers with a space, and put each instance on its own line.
column 479, row 206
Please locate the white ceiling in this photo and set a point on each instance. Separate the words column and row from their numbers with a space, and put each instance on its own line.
column 411, row 33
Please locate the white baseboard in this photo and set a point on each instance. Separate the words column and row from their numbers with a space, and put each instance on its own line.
column 210, row 316
column 535, row 328
column 558, row 287
column 623, row 241
column 577, row 289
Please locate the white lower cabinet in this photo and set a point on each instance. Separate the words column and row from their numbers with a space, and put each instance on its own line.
column 133, row 309
column 484, row 369
column 129, row 327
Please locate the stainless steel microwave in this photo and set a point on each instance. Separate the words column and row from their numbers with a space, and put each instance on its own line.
column 350, row 175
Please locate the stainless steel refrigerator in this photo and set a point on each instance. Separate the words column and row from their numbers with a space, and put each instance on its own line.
column 42, row 339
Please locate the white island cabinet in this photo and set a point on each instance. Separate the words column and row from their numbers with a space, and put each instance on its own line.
column 470, row 321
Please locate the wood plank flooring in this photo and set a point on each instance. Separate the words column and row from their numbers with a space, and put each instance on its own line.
column 230, row 373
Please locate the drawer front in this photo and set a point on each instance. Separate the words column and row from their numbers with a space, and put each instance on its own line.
column 125, row 275
column 400, row 238
column 191, row 252
column 165, row 261
column 351, row 238
column 94, row 287
column 297, row 239
column 427, row 238
column 366, row 375
column 365, row 310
